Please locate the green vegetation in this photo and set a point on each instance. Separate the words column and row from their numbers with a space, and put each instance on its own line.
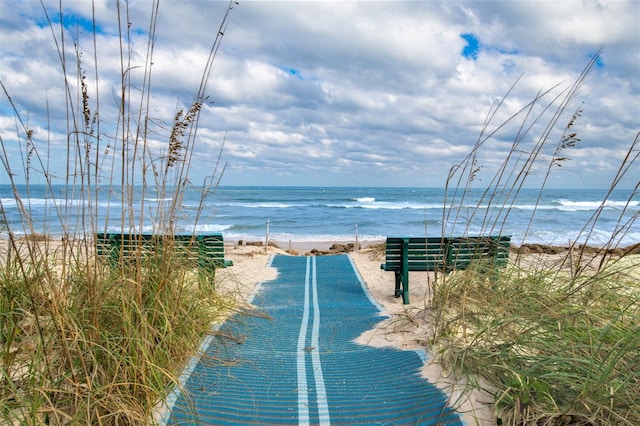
column 554, row 339
column 84, row 341
column 555, row 349
column 99, row 344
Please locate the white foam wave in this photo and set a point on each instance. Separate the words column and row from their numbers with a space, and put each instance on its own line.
column 12, row 203
column 594, row 205
column 262, row 205
column 387, row 205
column 52, row 202
column 304, row 238
column 211, row 227
column 562, row 205
column 596, row 237
column 188, row 228
column 373, row 204
column 156, row 200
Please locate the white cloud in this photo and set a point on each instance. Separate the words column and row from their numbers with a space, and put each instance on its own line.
column 375, row 92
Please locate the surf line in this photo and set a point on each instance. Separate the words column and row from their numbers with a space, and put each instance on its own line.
column 311, row 291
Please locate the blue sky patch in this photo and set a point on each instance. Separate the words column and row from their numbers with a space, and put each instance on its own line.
column 599, row 62
column 70, row 22
column 470, row 51
column 294, row 72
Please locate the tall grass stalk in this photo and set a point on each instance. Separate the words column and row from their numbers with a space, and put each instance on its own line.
column 556, row 338
column 83, row 340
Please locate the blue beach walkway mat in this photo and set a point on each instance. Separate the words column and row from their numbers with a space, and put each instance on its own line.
column 294, row 361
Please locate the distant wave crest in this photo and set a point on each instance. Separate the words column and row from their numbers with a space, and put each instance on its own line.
column 593, row 205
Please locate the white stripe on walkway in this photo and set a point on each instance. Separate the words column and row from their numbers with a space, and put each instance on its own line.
column 303, row 396
column 323, row 407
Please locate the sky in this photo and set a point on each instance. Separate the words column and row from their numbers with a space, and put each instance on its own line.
column 367, row 93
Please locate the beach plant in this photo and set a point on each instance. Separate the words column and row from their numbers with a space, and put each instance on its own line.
column 554, row 338
column 553, row 355
column 86, row 340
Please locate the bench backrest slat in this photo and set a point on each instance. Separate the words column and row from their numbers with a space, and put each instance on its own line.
column 423, row 254
column 206, row 250
column 212, row 250
column 463, row 251
column 445, row 253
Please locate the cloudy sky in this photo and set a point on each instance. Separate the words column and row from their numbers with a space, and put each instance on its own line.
column 337, row 93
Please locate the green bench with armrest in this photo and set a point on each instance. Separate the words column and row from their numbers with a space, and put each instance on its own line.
column 206, row 250
column 445, row 254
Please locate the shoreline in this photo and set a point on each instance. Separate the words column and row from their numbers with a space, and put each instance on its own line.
column 326, row 247
column 301, row 246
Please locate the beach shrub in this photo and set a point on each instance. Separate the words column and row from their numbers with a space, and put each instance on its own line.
column 554, row 338
column 97, row 346
column 555, row 349
column 83, row 339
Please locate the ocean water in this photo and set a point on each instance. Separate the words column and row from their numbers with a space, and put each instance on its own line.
column 339, row 213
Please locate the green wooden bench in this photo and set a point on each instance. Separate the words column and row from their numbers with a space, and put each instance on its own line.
column 446, row 254
column 205, row 250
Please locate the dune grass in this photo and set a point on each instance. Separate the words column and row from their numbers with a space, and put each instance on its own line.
column 84, row 340
column 99, row 345
column 554, row 339
column 555, row 349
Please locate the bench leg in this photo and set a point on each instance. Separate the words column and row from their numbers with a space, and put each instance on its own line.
column 398, row 292
column 405, row 286
column 404, row 270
